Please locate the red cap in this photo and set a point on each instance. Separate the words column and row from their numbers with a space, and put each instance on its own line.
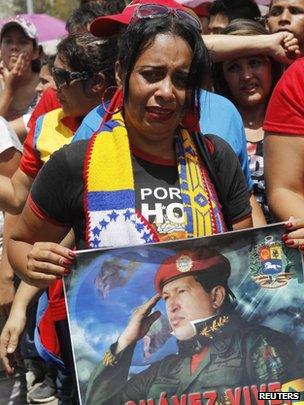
column 109, row 25
column 201, row 10
column 189, row 263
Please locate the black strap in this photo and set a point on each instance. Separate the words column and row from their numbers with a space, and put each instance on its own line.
column 204, row 153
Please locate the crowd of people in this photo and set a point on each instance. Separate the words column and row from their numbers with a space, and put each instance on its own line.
column 152, row 122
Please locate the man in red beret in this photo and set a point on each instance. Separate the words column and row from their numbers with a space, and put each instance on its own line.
column 184, row 282
column 217, row 349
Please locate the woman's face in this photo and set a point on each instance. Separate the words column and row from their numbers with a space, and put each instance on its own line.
column 45, row 80
column 75, row 98
column 14, row 42
column 158, row 89
column 249, row 79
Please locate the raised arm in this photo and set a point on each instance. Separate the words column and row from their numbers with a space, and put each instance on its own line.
column 283, row 46
column 116, row 363
column 13, row 78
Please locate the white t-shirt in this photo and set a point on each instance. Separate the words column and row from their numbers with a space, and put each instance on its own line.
column 8, row 139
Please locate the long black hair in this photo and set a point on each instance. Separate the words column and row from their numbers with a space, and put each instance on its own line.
column 141, row 34
column 85, row 52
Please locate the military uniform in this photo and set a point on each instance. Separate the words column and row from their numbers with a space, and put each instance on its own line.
column 239, row 354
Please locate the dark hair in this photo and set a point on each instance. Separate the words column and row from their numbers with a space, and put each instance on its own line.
column 209, row 279
column 111, row 7
column 233, row 9
column 84, row 52
column 35, row 64
column 80, row 18
column 242, row 27
column 47, row 60
column 140, row 35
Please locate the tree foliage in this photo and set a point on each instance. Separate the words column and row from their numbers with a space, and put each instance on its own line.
column 57, row 8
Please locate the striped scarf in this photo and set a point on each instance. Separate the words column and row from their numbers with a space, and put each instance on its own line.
column 111, row 215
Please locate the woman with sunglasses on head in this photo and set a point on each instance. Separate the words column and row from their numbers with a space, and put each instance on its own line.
column 132, row 184
column 161, row 65
column 248, row 82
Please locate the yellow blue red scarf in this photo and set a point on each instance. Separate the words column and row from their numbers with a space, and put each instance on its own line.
column 111, row 216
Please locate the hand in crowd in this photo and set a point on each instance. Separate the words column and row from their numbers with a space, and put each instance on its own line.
column 13, row 77
column 285, row 47
column 139, row 324
column 295, row 236
column 9, row 340
column 46, row 262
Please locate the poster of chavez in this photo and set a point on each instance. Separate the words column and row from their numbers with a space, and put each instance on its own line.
column 204, row 321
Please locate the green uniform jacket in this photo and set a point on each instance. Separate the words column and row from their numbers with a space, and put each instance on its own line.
column 245, row 354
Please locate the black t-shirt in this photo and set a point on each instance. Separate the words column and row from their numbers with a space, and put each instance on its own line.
column 58, row 189
column 256, row 165
column 158, row 195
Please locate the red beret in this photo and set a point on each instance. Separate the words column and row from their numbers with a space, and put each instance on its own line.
column 189, row 263
column 109, row 25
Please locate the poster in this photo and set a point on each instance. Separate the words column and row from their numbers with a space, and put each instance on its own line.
column 212, row 320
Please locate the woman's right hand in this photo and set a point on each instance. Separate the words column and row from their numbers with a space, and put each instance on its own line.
column 9, row 340
column 294, row 238
column 13, row 77
column 46, row 262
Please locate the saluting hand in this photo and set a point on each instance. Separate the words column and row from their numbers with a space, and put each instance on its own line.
column 139, row 324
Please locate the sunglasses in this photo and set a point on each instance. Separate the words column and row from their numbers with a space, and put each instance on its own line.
column 157, row 10
column 63, row 78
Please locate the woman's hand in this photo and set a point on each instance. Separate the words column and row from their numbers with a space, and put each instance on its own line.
column 9, row 340
column 13, row 77
column 46, row 262
column 295, row 236
column 139, row 324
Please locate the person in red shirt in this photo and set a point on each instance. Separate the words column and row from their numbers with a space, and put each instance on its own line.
column 284, row 151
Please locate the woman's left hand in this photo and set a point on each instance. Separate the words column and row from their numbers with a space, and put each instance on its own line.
column 294, row 236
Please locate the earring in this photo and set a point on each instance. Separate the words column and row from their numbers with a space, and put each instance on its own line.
column 113, row 103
